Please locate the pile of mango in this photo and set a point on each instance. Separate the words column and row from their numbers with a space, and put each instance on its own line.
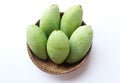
column 60, row 39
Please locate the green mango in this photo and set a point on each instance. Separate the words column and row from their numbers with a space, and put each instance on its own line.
column 80, row 43
column 71, row 19
column 50, row 19
column 58, row 46
column 37, row 41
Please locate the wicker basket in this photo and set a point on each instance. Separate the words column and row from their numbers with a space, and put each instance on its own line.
column 49, row 67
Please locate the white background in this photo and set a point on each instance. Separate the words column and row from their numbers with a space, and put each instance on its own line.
column 103, row 65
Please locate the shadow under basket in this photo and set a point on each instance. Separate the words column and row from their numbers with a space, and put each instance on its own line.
column 50, row 67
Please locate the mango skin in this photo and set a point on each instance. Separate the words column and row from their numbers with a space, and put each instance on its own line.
column 80, row 43
column 71, row 19
column 37, row 41
column 50, row 19
column 58, row 46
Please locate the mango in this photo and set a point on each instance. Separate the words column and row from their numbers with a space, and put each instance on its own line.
column 71, row 19
column 80, row 43
column 50, row 19
column 37, row 41
column 58, row 46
